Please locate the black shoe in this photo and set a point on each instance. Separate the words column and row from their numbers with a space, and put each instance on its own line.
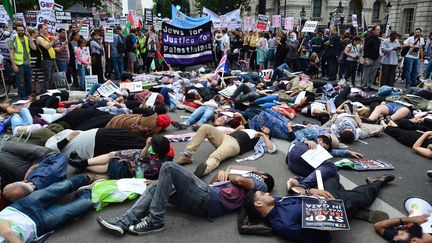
column 145, row 227
column 371, row 216
column 77, row 163
column 111, row 225
column 200, row 169
column 384, row 179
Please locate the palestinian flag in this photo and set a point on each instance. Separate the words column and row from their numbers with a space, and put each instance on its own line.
column 129, row 24
column 8, row 7
column 160, row 58
column 57, row 7
column 139, row 26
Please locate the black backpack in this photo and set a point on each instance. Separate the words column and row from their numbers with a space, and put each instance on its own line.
column 120, row 45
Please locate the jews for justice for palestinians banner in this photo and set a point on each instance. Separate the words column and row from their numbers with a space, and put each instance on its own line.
column 324, row 214
column 187, row 46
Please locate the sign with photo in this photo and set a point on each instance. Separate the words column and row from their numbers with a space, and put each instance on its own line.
column 289, row 23
column 84, row 31
column 109, row 35
column 132, row 86
column 90, row 80
column 323, row 214
column 276, row 21
column 262, row 22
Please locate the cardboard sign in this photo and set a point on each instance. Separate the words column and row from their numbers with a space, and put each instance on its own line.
column 19, row 18
column 107, row 89
column 262, row 22
column 4, row 17
column 248, row 23
column 90, row 80
column 276, row 21
column 148, row 16
column 46, row 6
column 310, row 26
column 84, row 31
column 132, row 86
column 289, row 23
column 323, row 214
column 64, row 20
column 109, row 35
column 49, row 20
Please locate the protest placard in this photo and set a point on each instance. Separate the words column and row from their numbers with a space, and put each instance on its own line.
column 49, row 20
column 323, row 214
column 148, row 16
column 289, row 23
column 132, row 86
column 276, row 21
column 262, row 22
column 31, row 18
column 248, row 23
column 109, row 35
column 108, row 88
column 354, row 20
column 90, row 80
column 310, row 26
column 19, row 18
column 4, row 17
column 84, row 31
column 183, row 47
column 46, row 7
column 63, row 19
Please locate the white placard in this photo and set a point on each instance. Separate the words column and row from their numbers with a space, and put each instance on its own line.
column 310, row 26
column 46, row 6
column 289, row 23
column 90, row 80
column 151, row 100
column 132, row 185
column 248, row 23
column 49, row 20
column 250, row 132
column 84, row 31
column 132, row 86
column 276, row 21
column 315, row 157
column 109, row 35
column 354, row 20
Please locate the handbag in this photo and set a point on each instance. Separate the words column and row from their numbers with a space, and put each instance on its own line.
column 406, row 49
column 59, row 79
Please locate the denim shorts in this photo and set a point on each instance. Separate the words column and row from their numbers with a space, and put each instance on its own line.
column 393, row 107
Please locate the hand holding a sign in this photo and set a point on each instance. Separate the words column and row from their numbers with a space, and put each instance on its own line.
column 321, row 193
column 310, row 144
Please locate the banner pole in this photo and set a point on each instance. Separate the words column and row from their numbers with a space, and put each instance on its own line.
column 4, row 85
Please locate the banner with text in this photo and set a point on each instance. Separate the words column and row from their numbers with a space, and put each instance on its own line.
column 262, row 22
column 49, row 20
column 182, row 20
column 310, row 26
column 64, row 20
column 187, row 46
column 46, row 6
column 324, row 214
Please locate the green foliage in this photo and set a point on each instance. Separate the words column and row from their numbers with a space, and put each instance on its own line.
column 222, row 6
column 166, row 7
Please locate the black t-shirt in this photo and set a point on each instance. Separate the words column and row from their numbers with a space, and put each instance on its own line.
column 246, row 143
column 389, row 234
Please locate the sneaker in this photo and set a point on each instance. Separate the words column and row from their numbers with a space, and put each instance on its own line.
column 183, row 160
column 200, row 169
column 371, row 216
column 145, row 227
column 111, row 225
column 429, row 173
column 178, row 125
column 384, row 179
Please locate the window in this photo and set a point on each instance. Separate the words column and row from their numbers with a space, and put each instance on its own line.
column 376, row 10
column 316, row 8
column 408, row 20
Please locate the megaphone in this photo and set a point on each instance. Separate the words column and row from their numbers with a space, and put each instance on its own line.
column 416, row 206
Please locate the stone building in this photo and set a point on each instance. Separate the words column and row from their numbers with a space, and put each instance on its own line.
column 402, row 15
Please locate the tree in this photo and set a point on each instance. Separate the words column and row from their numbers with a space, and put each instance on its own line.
column 222, row 6
column 166, row 7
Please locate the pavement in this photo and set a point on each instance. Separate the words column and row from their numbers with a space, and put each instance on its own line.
column 411, row 180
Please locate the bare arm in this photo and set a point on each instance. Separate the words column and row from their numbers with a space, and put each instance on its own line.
column 7, row 233
column 40, row 41
column 381, row 226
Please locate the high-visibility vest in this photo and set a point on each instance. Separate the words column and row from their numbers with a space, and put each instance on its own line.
column 51, row 51
column 142, row 43
column 19, row 50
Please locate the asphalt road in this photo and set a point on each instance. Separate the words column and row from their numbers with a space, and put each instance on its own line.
column 410, row 181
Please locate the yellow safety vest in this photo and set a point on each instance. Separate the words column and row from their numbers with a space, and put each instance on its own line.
column 142, row 41
column 51, row 51
column 19, row 50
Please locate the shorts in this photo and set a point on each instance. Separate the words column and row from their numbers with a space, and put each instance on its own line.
column 132, row 56
column 393, row 107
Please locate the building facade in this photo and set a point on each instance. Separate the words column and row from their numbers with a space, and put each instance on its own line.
column 115, row 7
column 402, row 15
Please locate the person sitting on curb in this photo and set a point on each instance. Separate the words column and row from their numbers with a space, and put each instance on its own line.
column 227, row 146
column 285, row 214
column 410, row 232
column 178, row 186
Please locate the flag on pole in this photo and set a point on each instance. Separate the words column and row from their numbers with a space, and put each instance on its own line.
column 140, row 24
column 57, row 7
column 130, row 22
column 160, row 58
column 223, row 64
column 8, row 7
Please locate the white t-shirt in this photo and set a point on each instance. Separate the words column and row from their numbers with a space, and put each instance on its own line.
column 83, row 144
column 419, row 44
column 21, row 225
column 225, row 42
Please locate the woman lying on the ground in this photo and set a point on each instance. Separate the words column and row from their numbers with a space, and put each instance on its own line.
column 157, row 151
column 394, row 111
column 19, row 120
column 420, row 143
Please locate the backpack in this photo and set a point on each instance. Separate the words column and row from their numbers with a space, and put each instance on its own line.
column 120, row 45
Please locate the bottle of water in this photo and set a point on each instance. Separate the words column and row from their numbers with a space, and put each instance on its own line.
column 139, row 171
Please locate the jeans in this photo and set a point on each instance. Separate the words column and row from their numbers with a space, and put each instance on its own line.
column 387, row 91
column 300, row 167
column 266, row 99
column 48, row 70
column 24, row 81
column 429, row 69
column 168, row 100
column 279, row 71
column 202, row 114
column 411, row 71
column 117, row 65
column 37, row 204
column 82, row 69
column 369, row 73
column 62, row 66
column 175, row 185
column 247, row 93
column 24, row 118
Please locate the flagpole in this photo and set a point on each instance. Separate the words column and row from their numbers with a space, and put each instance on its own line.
column 14, row 5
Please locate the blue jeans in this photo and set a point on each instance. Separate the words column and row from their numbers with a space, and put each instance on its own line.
column 82, row 70
column 168, row 101
column 117, row 64
column 23, row 118
column 62, row 66
column 266, row 99
column 279, row 71
column 37, row 204
column 411, row 71
column 429, row 68
column 24, row 81
column 48, row 71
column 202, row 114
column 175, row 185
column 387, row 91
